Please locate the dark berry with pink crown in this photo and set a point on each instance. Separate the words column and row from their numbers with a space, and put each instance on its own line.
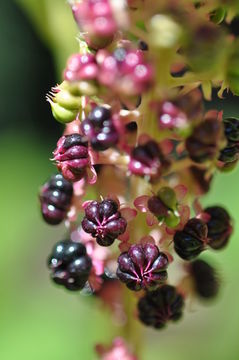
column 158, row 307
column 71, row 156
column 103, row 221
column 70, row 265
column 55, row 197
column 99, row 129
column 191, row 241
column 142, row 267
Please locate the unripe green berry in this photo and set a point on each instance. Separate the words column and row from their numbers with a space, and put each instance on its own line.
column 172, row 220
column 83, row 88
column 67, row 101
column 164, row 32
column 218, row 15
column 61, row 114
column 168, row 197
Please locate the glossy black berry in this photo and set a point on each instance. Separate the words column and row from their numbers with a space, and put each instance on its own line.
column 103, row 221
column 205, row 279
column 55, row 197
column 99, row 128
column 70, row 265
column 203, row 144
column 190, row 242
column 219, row 227
column 142, row 267
column 158, row 307
column 231, row 151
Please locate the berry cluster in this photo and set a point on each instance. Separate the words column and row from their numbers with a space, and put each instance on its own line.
column 139, row 143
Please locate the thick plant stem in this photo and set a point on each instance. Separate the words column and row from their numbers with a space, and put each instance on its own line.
column 132, row 330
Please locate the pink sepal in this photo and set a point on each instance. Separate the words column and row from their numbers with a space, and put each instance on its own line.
column 166, row 146
column 91, row 175
column 184, row 212
column 169, row 256
column 151, row 219
column 180, row 191
column 141, row 203
column 147, row 240
column 128, row 213
column 197, row 207
column 79, row 187
column 86, row 203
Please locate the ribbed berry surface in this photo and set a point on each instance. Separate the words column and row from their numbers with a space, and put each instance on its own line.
column 231, row 151
column 71, row 156
column 99, row 129
column 205, row 279
column 219, row 227
column 103, row 221
column 55, row 197
column 142, row 267
column 203, row 144
column 70, row 265
column 158, row 307
column 148, row 160
column 190, row 242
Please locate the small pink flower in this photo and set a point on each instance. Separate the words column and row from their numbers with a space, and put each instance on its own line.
column 119, row 350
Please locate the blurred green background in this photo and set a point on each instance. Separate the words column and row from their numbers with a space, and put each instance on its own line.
column 37, row 320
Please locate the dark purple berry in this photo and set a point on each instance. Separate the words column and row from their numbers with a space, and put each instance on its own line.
column 131, row 127
column 157, row 207
column 219, row 227
column 205, row 279
column 199, row 175
column 148, row 160
column 70, row 265
column 55, row 197
column 103, row 221
column 71, row 156
column 99, row 129
column 190, row 242
column 142, row 267
column 203, row 144
column 158, row 307
column 231, row 151
column 142, row 45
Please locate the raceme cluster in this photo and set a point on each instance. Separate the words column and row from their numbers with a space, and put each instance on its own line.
column 138, row 151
